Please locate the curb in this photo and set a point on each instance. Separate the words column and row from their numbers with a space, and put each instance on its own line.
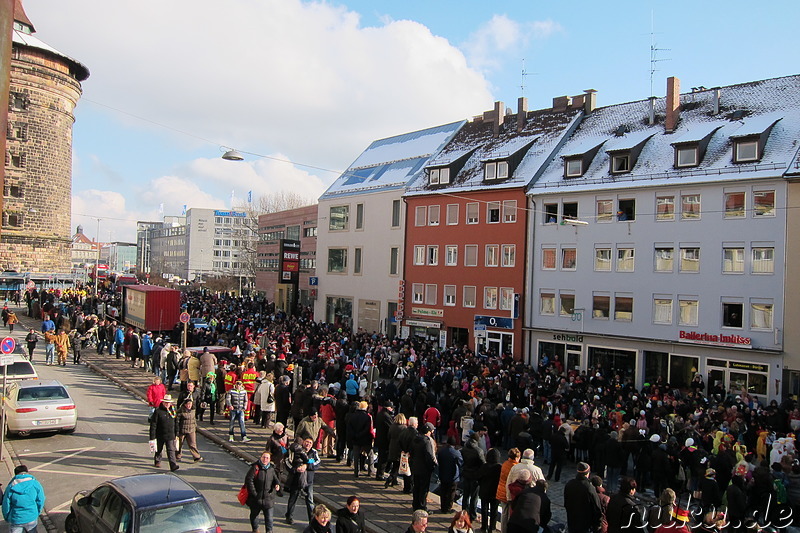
column 224, row 444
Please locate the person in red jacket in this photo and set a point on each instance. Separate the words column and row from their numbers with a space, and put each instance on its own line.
column 328, row 415
column 249, row 378
column 155, row 393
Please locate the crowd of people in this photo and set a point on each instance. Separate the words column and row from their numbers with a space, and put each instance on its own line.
column 407, row 412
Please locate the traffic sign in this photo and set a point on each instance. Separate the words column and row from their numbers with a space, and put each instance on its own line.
column 31, row 285
column 6, row 360
column 313, row 280
column 184, row 317
column 8, row 345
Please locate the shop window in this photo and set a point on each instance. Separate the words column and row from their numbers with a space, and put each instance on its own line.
column 601, row 306
column 622, row 362
column 732, row 314
column 623, row 308
column 761, row 316
column 469, row 295
column 605, row 211
column 626, row 209
column 547, row 303
column 602, row 259
column 733, row 260
column 764, row 203
column 664, row 259
column 566, row 304
column 688, row 312
column 662, row 310
column 734, row 204
column 656, row 367
column 551, row 350
column 763, row 260
column 682, row 370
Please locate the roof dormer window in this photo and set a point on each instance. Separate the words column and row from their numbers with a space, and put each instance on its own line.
column 691, row 147
column 573, row 168
column 750, row 140
column 686, row 156
column 495, row 170
column 439, row 176
column 745, row 150
column 621, row 163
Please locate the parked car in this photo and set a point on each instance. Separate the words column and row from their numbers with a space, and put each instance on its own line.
column 39, row 405
column 198, row 323
column 143, row 503
column 20, row 368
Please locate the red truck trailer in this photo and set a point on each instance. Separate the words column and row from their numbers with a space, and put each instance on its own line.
column 150, row 307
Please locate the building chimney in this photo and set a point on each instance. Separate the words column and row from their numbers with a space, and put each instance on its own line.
column 717, row 98
column 651, row 119
column 591, row 100
column 496, row 116
column 561, row 103
column 578, row 101
column 673, row 104
column 522, row 112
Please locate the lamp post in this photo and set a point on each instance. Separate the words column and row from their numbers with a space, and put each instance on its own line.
column 97, row 262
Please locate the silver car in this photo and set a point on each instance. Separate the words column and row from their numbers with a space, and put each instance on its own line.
column 36, row 406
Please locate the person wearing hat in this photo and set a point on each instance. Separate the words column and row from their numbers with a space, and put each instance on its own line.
column 582, row 503
column 359, row 436
column 422, row 462
column 711, row 498
column 163, row 426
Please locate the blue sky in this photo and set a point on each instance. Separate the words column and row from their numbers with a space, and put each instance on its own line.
column 309, row 85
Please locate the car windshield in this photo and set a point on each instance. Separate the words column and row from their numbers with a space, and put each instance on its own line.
column 189, row 516
column 34, row 394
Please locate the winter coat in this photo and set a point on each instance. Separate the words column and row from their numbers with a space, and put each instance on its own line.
column 359, row 429
column 582, row 505
column 347, row 522
column 622, row 514
column 23, row 500
column 382, row 427
column 208, row 362
column 163, row 424
column 394, row 441
column 263, row 392
column 187, row 424
column 155, row 393
column 423, row 458
column 474, row 458
column 262, row 483
column 525, row 511
column 450, row 464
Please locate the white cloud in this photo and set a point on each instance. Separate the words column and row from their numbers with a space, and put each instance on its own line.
column 487, row 46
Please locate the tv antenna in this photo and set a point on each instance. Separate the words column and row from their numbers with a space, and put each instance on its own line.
column 524, row 73
column 654, row 52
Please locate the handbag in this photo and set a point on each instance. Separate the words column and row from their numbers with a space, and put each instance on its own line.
column 243, row 495
column 404, row 469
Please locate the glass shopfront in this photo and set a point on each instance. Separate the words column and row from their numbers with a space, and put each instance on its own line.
column 677, row 370
column 339, row 311
column 612, row 361
column 496, row 343
column 737, row 376
column 571, row 353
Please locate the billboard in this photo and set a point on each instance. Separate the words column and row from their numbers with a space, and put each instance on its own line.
column 290, row 261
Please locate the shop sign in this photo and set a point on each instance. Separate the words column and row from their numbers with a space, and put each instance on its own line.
column 497, row 322
column 754, row 367
column 567, row 337
column 290, row 261
column 422, row 311
column 715, row 339
column 237, row 214
column 401, row 296
column 423, row 324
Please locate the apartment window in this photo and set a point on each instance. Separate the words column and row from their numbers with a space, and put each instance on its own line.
column 602, row 259
column 763, row 260
column 18, row 101
column 665, row 208
column 509, row 255
column 573, row 167
column 690, row 259
column 490, row 297
column 506, row 299
column 493, row 212
column 686, row 156
column 627, row 209
column 744, row 151
column 433, row 215
column 473, row 213
column 451, row 255
column 13, row 220
column 359, row 216
column 569, row 211
column 662, row 310
column 548, row 258
column 310, row 232
column 601, row 306
column 509, row 211
column 605, row 211
column 394, row 261
column 337, row 260
column 396, row 213
column 490, row 170
column 547, row 303
column 439, row 176
column 625, row 259
column 492, row 255
column 471, row 255
column 760, row 315
column 452, row 214
column 12, row 191
column 433, row 255
column 430, row 293
column 18, row 131
column 734, row 204
column 664, row 259
column 469, row 295
column 620, row 163
column 419, row 254
column 690, row 206
column 357, row 260
column 450, row 295
column 550, row 213
column 623, row 307
column 689, row 312
column 417, row 293
column 732, row 314
column 567, row 304
column 569, row 258
column 764, row 203
column 339, row 218
column 421, row 215
column 733, row 260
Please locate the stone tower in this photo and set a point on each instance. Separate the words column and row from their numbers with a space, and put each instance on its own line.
column 37, row 193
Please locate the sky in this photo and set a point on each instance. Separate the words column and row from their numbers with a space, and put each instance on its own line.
column 304, row 87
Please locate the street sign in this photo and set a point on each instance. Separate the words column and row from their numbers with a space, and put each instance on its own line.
column 30, row 285
column 184, row 317
column 6, row 360
column 8, row 345
column 313, row 280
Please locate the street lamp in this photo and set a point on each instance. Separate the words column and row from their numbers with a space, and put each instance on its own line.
column 232, row 155
column 97, row 262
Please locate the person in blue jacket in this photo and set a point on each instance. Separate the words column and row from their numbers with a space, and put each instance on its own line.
column 23, row 501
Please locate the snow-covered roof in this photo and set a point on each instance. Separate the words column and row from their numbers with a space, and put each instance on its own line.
column 760, row 102
column 583, row 146
column 543, row 128
column 627, row 141
column 392, row 162
column 19, row 37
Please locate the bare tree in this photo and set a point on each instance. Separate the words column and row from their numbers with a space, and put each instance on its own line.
column 268, row 203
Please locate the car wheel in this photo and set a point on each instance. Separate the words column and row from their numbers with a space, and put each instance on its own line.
column 69, row 431
column 71, row 524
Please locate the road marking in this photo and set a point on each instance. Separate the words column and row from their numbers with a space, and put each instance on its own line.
column 50, row 452
column 63, row 508
column 99, row 474
column 78, row 451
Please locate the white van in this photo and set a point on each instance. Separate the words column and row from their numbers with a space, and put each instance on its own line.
column 21, row 368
